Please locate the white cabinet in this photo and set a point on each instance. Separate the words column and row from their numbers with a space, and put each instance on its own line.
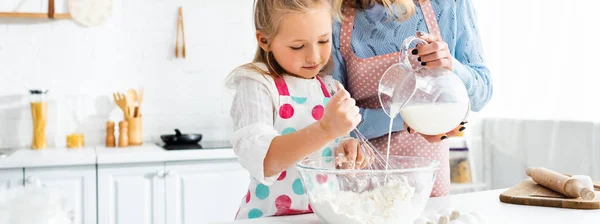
column 11, row 178
column 172, row 192
column 131, row 193
column 201, row 192
column 77, row 184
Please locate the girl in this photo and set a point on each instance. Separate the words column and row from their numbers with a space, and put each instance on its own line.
column 366, row 42
column 283, row 111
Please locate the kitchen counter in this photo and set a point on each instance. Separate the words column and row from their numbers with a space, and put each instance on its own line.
column 485, row 203
column 149, row 152
column 155, row 153
column 25, row 157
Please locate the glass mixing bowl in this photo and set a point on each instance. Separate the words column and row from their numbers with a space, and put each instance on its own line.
column 373, row 195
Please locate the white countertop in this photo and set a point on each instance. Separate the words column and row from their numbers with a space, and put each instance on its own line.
column 101, row 155
column 149, row 152
column 25, row 157
column 154, row 153
column 485, row 203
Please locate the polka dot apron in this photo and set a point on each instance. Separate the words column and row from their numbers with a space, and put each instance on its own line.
column 363, row 75
column 287, row 195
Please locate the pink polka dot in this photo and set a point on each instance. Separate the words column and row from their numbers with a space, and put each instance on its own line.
column 321, row 178
column 286, row 111
column 283, row 203
column 317, row 112
column 248, row 197
column 282, row 176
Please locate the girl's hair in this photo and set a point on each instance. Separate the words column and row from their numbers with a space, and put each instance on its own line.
column 267, row 18
column 407, row 5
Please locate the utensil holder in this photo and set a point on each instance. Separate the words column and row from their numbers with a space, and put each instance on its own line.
column 135, row 131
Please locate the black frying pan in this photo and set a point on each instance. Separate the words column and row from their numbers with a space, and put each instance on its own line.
column 181, row 139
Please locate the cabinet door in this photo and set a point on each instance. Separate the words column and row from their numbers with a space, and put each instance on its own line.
column 11, row 178
column 77, row 184
column 131, row 193
column 206, row 191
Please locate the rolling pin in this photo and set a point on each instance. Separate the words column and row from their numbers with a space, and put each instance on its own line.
column 560, row 183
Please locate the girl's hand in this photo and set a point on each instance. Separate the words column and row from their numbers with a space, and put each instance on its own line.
column 350, row 156
column 341, row 114
column 435, row 54
column 437, row 138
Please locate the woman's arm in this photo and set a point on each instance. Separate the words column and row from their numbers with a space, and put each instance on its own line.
column 468, row 62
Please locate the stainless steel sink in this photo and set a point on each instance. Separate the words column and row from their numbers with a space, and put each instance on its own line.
column 6, row 152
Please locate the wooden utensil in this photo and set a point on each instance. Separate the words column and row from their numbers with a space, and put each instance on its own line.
column 529, row 193
column 182, row 30
column 131, row 101
column 180, row 27
column 596, row 186
column 121, row 101
column 560, row 183
column 140, row 99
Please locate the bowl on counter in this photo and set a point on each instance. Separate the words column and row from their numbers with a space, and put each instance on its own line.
column 374, row 195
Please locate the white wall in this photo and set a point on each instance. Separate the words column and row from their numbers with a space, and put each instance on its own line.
column 543, row 58
column 83, row 66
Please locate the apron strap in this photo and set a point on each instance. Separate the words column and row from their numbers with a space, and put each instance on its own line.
column 325, row 92
column 282, row 87
column 283, row 90
column 430, row 18
column 346, row 29
column 348, row 24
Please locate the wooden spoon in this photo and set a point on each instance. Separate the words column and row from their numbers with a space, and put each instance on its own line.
column 140, row 98
column 131, row 101
column 182, row 31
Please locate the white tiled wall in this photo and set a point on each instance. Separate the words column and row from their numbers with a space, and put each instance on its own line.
column 82, row 66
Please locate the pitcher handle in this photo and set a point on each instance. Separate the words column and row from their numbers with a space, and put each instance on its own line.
column 404, row 51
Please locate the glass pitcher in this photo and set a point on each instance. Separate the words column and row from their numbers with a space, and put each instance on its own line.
column 431, row 101
column 39, row 116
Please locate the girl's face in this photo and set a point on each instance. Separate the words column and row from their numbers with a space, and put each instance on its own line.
column 303, row 45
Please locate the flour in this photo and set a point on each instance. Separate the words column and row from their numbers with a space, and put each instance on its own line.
column 384, row 205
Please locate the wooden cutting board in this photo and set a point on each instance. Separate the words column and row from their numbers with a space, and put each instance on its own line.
column 530, row 193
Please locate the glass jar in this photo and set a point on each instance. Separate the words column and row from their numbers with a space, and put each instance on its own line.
column 39, row 116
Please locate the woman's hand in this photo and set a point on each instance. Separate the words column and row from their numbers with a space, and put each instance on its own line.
column 437, row 138
column 435, row 54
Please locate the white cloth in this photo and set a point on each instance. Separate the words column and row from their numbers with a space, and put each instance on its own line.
column 253, row 112
column 34, row 205
column 564, row 146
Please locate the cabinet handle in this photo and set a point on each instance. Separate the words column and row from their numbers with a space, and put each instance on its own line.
column 170, row 173
column 160, row 173
column 33, row 180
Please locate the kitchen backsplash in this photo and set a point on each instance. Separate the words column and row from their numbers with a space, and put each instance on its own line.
column 83, row 66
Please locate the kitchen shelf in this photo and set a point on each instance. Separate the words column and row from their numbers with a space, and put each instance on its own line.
column 33, row 15
column 51, row 14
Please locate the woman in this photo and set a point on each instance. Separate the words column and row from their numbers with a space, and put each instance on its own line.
column 371, row 31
